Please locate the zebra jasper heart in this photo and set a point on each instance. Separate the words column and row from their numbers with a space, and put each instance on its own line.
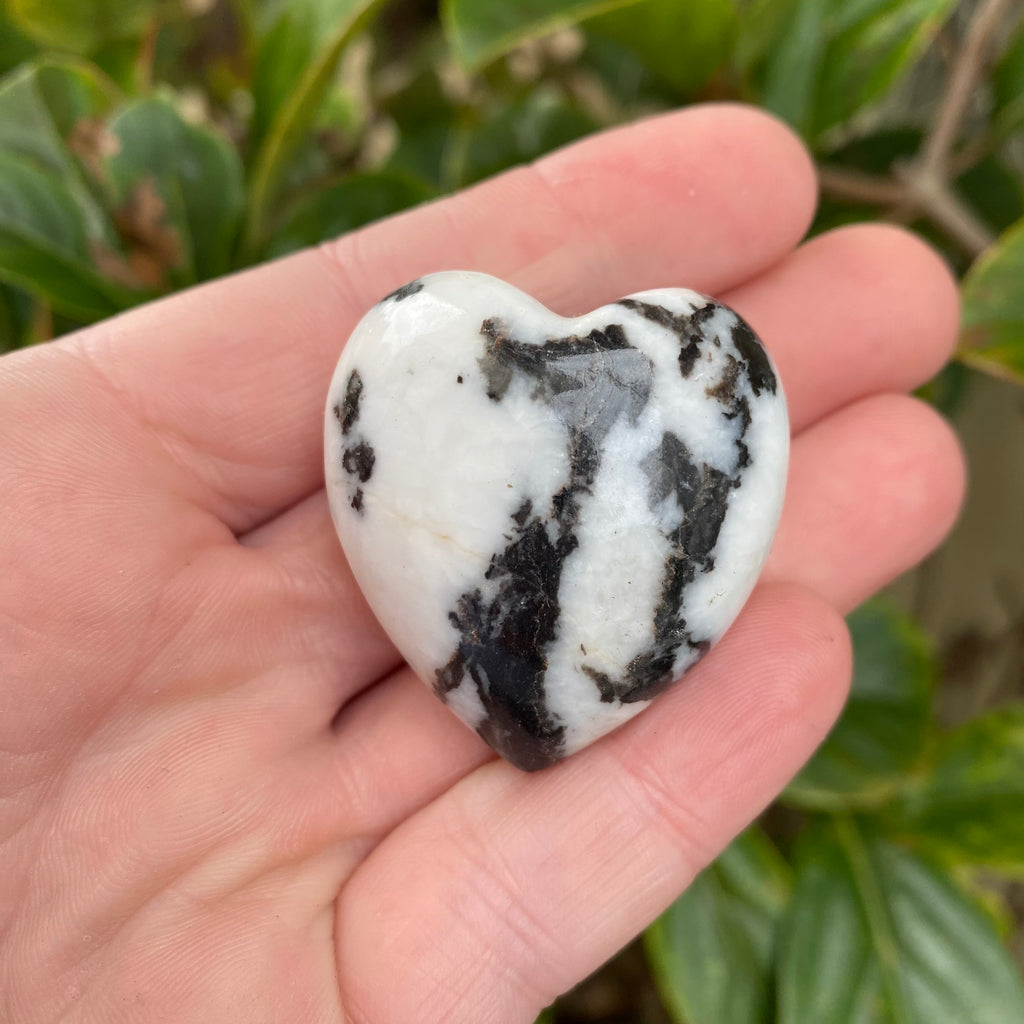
column 553, row 518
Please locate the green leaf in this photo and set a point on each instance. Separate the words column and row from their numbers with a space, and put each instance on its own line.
column 15, row 47
column 120, row 61
column 16, row 313
column 970, row 805
column 882, row 731
column 877, row 152
column 994, row 191
column 874, row 42
column 422, row 114
column 711, row 952
column 793, row 65
column 300, row 101
column 874, row 153
column 284, row 53
column 875, row 935
column 1008, row 87
column 992, row 323
column 43, row 244
column 51, row 117
column 513, row 133
column 421, row 151
column 828, row 966
column 818, row 62
column 948, row 389
column 480, row 31
column 625, row 77
column 684, row 44
column 191, row 178
column 55, row 237
column 80, row 25
column 347, row 205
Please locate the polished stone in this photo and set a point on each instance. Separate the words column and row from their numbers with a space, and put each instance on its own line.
column 553, row 518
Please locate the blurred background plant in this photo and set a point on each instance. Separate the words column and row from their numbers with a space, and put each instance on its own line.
column 146, row 145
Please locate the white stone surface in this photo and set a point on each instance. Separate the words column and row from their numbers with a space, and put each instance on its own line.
column 553, row 518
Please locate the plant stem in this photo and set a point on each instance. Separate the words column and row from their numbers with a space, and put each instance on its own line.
column 967, row 67
column 146, row 57
column 922, row 186
column 843, row 183
column 933, row 196
column 927, row 179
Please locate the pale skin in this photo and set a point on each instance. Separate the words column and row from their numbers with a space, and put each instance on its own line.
column 222, row 796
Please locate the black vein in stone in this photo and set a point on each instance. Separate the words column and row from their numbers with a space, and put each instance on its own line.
column 688, row 327
column 347, row 411
column 758, row 368
column 357, row 457
column 404, row 292
column 507, row 626
column 701, row 493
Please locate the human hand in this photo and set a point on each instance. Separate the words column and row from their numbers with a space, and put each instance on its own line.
column 222, row 797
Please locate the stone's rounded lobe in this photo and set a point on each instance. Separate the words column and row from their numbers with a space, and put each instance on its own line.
column 553, row 518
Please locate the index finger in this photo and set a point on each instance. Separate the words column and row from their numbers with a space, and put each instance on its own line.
column 233, row 375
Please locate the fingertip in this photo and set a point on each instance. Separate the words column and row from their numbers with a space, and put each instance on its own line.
column 741, row 723
column 776, row 158
column 933, row 475
column 898, row 269
column 725, row 182
column 772, row 187
column 861, row 310
column 801, row 675
column 872, row 490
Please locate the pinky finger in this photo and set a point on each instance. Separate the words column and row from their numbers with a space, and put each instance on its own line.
column 514, row 887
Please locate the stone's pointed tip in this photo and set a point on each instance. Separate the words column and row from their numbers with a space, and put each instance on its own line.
column 527, row 761
column 554, row 519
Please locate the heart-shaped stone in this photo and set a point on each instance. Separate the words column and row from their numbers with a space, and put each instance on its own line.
column 553, row 518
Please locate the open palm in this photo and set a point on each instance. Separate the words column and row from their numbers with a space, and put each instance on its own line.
column 223, row 798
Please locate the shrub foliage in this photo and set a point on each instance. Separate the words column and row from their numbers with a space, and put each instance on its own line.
column 146, row 145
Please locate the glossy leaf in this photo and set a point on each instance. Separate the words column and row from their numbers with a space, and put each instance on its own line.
column 44, row 247
column 511, row 134
column 827, row 59
column 80, row 25
column 874, row 42
column 994, row 191
column 881, row 734
column 827, row 969
column 1008, row 86
column 479, row 31
column 683, row 44
column 992, row 336
column 948, row 389
column 970, row 804
column 55, row 237
column 421, row 152
column 793, row 65
column 622, row 74
column 179, row 191
column 876, row 935
column 284, row 52
column 423, row 116
column 51, row 116
column 15, row 46
column 347, row 205
column 300, row 101
column 16, row 312
column 711, row 952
